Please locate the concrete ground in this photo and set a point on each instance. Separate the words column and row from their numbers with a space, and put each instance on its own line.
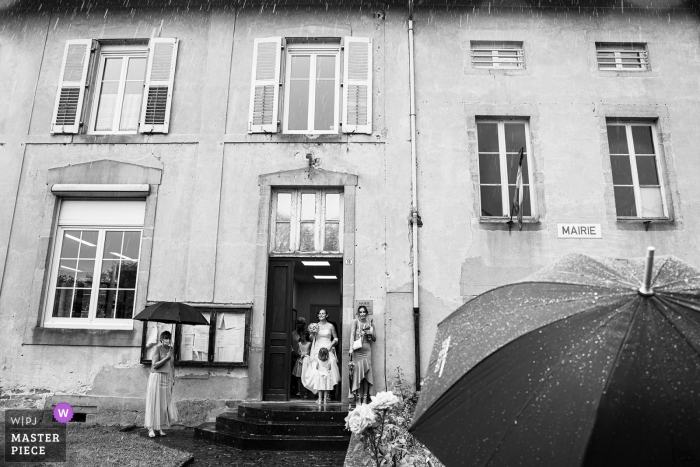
column 208, row 454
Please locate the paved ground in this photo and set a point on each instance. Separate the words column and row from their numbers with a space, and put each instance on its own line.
column 208, row 454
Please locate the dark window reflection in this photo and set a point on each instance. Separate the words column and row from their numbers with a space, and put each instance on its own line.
column 515, row 136
column 646, row 170
column 487, row 134
column 513, row 160
column 526, row 200
column 643, row 142
column 491, row 203
column 624, row 201
column 617, row 139
column 621, row 170
column 489, row 169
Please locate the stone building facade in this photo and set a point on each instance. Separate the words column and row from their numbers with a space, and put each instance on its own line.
column 216, row 191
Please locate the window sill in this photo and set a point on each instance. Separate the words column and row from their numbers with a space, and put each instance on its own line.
column 504, row 220
column 642, row 220
column 83, row 337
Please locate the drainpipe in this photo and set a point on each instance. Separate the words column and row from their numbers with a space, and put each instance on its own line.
column 415, row 218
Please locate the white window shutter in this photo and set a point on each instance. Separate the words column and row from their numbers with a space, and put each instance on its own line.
column 71, row 87
column 265, row 85
column 158, row 88
column 357, row 85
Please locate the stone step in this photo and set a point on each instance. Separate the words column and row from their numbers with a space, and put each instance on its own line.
column 288, row 412
column 271, row 442
column 237, row 424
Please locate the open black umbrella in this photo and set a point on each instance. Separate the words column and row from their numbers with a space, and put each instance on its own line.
column 590, row 370
column 171, row 312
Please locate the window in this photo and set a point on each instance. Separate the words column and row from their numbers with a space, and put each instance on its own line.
column 307, row 221
column 499, row 143
column 635, row 170
column 312, row 92
column 95, row 264
column 223, row 342
column 133, row 84
column 490, row 54
column 622, row 56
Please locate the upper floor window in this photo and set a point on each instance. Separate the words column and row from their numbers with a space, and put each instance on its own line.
column 307, row 221
column 637, row 180
column 124, row 86
column 492, row 54
column 622, row 56
column 499, row 143
column 314, row 101
column 95, row 264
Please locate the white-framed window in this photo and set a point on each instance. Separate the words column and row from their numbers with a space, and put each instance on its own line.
column 312, row 84
column 95, row 264
column 637, row 180
column 121, row 74
column 497, row 54
column 324, row 87
column 499, row 142
column 622, row 56
column 307, row 221
column 133, row 85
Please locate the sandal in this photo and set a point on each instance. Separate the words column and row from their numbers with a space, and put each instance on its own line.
column 151, row 434
column 161, row 432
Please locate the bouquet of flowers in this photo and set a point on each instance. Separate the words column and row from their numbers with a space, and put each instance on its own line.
column 313, row 328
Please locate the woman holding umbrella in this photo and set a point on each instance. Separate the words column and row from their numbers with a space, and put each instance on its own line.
column 160, row 407
column 362, row 331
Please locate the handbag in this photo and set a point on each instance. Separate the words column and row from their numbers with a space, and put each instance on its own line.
column 357, row 344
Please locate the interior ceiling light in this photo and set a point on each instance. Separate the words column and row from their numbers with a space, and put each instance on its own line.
column 325, row 277
column 315, row 263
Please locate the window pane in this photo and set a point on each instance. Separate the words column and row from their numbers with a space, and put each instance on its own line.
column 194, row 340
column 301, row 66
column 652, row 205
column 113, row 69
column 646, row 170
column 284, row 206
column 621, row 170
column 282, row 237
column 132, row 242
column 332, row 206
column 306, row 242
column 86, row 269
column 127, row 276
column 125, row 304
column 109, row 274
column 491, row 203
column 526, row 200
column 643, row 143
column 113, row 245
column 308, row 207
column 137, row 69
column 71, row 241
column 105, row 303
column 62, row 303
column 131, row 107
column 624, row 201
column 515, row 136
column 298, row 117
column 325, row 66
column 617, row 139
column 487, row 134
column 67, row 269
column 489, row 169
column 513, row 160
column 81, row 303
column 331, row 239
column 107, row 106
column 88, row 246
column 324, row 112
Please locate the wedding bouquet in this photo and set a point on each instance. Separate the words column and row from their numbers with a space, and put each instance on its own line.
column 313, row 328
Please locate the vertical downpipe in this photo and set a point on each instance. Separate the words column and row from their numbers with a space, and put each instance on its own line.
column 415, row 218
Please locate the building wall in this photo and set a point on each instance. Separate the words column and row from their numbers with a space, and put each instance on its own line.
column 206, row 220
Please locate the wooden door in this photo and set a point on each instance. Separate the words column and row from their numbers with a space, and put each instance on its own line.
column 278, row 326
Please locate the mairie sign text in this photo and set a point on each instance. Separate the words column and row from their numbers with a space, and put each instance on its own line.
column 579, row 231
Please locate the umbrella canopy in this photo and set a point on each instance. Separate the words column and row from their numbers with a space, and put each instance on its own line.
column 171, row 312
column 572, row 367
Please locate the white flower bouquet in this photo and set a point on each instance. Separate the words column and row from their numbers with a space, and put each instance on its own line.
column 313, row 328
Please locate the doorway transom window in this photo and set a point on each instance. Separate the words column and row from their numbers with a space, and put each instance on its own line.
column 307, row 221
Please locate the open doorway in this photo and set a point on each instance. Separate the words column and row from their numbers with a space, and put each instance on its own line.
column 298, row 288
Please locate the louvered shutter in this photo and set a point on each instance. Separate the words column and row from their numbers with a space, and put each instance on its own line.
column 357, row 85
column 158, row 88
column 71, row 87
column 264, row 92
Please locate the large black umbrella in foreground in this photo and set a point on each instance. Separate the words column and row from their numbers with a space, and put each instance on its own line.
column 171, row 312
column 588, row 370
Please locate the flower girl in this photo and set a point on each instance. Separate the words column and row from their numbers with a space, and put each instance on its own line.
column 302, row 363
column 322, row 380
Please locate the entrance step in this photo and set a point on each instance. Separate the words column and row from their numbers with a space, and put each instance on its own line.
column 281, row 427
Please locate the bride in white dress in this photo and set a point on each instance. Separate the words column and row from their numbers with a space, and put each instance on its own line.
column 328, row 338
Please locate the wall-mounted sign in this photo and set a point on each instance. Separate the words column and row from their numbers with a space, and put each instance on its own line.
column 367, row 303
column 579, row 231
